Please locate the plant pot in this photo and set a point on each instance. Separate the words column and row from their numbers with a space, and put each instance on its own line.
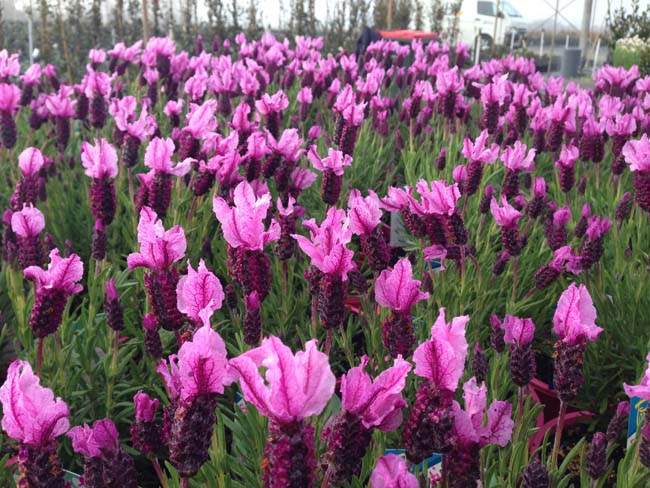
column 546, row 421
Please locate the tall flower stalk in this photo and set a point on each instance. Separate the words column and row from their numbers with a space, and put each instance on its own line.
column 293, row 388
column 574, row 323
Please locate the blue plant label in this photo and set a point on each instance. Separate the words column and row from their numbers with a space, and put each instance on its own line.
column 638, row 409
column 432, row 465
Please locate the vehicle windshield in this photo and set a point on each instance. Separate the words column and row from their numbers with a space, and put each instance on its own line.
column 509, row 10
column 486, row 8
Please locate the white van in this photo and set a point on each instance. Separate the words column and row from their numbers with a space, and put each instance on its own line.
column 478, row 16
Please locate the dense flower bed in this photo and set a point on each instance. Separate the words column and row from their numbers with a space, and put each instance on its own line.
column 203, row 267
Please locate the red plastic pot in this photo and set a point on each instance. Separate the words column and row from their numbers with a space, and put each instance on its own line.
column 547, row 419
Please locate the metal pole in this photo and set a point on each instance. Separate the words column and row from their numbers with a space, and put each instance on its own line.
column 477, row 49
column 593, row 70
column 541, row 44
column 566, row 42
column 512, row 40
column 584, row 32
column 496, row 21
column 550, row 56
column 389, row 15
column 30, row 39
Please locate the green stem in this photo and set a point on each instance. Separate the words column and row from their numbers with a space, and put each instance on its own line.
column 558, row 435
column 515, row 278
column 159, row 473
column 39, row 357
column 112, row 373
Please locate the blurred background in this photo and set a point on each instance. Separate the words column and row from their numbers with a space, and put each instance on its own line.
column 62, row 31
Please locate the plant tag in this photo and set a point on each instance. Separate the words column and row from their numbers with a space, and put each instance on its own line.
column 636, row 418
column 431, row 465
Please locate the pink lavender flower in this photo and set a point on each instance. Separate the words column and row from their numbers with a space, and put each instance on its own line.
column 365, row 404
column 243, row 224
column 60, row 107
column 271, row 107
column 620, row 128
column 332, row 169
column 391, row 471
column 516, row 161
column 574, row 323
column 159, row 250
column 304, row 97
column 284, row 155
column 173, row 110
column 463, row 465
column 113, row 307
column 448, row 85
column 243, row 229
column 365, row 216
column 518, row 331
column 592, row 247
column 146, row 435
column 441, row 361
column 97, row 88
column 507, row 217
column 478, row 154
column 31, row 414
column 642, row 390
column 555, row 230
column 194, row 378
column 28, row 225
column 396, row 289
column 105, row 462
column 158, row 157
column 327, row 248
column 100, row 163
column 199, row 294
column 294, row 388
column 53, row 287
column 9, row 102
column 34, row 418
column 519, row 334
column 637, row 155
column 200, row 121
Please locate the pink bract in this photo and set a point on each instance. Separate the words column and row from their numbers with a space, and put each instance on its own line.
column 243, row 224
column 29, row 222
column 61, row 274
column 392, row 471
column 505, row 215
column 327, row 246
column 159, row 248
column 145, row 407
column 94, row 441
column 378, row 403
column 396, row 289
column 637, row 154
column 293, row 387
column 158, row 156
column 441, row 359
column 518, row 331
column 200, row 368
column 574, row 321
column 99, row 160
column 30, row 413
column 335, row 160
column 364, row 213
column 199, row 293
column 31, row 161
column 642, row 390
